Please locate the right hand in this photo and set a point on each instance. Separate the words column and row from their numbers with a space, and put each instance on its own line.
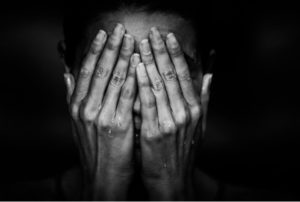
column 101, row 110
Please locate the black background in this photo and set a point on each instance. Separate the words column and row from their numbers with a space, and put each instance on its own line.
column 253, row 135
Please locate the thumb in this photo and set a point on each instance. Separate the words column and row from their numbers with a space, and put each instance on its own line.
column 205, row 94
column 70, row 84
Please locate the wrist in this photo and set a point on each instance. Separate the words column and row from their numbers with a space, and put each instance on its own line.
column 170, row 188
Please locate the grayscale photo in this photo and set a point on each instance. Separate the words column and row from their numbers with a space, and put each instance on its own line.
column 150, row 100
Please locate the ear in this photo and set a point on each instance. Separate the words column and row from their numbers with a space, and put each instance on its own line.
column 206, row 84
column 61, row 48
column 68, row 77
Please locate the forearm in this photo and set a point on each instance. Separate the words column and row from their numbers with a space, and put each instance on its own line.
column 106, row 191
column 106, row 184
column 160, row 190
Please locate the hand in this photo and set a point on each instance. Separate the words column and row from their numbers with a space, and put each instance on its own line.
column 101, row 110
column 171, row 124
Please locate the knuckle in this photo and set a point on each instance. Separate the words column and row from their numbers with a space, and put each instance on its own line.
column 169, row 75
column 148, row 59
column 150, row 136
column 112, row 44
column 74, row 111
column 131, row 73
column 168, row 128
column 157, row 84
column 149, row 103
column 160, row 48
column 196, row 111
column 125, row 54
column 86, row 114
column 84, row 72
column 127, row 93
column 175, row 51
column 117, row 79
column 81, row 91
column 103, row 123
column 117, row 125
column 101, row 72
column 184, row 76
column 122, row 124
column 95, row 47
column 144, row 83
column 182, row 118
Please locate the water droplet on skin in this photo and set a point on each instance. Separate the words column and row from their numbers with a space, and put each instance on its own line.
column 119, row 121
column 193, row 142
column 165, row 165
column 109, row 133
column 116, row 121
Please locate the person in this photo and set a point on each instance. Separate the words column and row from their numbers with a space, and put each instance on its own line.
column 134, row 80
column 138, row 77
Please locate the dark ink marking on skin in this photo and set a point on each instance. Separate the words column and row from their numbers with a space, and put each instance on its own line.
column 169, row 75
column 84, row 73
column 127, row 93
column 157, row 85
column 117, row 79
column 101, row 72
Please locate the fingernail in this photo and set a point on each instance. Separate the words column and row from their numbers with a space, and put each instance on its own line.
column 154, row 33
column 119, row 29
column 127, row 41
column 145, row 47
column 171, row 39
column 101, row 35
column 98, row 41
column 135, row 59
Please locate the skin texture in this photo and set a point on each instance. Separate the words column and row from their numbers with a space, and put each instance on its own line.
column 103, row 126
column 156, row 84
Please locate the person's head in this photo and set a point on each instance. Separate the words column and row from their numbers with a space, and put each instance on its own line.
column 189, row 22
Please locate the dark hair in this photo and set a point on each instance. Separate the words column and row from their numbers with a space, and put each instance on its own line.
column 78, row 16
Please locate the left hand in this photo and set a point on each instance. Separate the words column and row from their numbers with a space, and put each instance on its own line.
column 171, row 119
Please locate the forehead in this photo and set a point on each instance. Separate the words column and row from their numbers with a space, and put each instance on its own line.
column 139, row 23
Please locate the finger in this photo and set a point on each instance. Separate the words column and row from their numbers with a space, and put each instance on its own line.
column 70, row 84
column 125, row 104
column 148, row 105
column 88, row 65
column 168, row 73
column 182, row 70
column 118, row 77
column 206, row 82
column 157, row 85
column 103, row 70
